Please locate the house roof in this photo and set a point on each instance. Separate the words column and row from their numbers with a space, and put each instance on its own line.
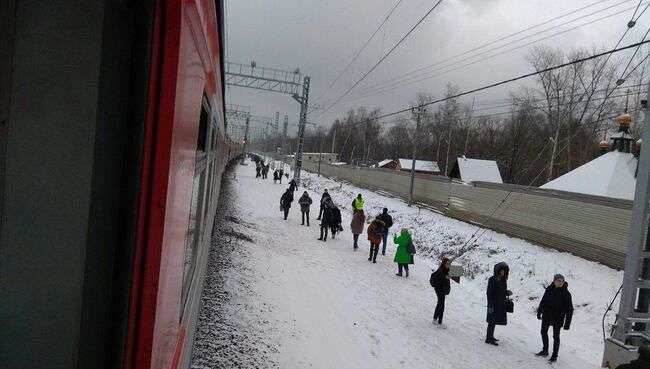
column 475, row 170
column 611, row 175
column 423, row 165
column 384, row 162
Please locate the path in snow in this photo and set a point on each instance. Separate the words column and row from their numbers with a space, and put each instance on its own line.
column 323, row 305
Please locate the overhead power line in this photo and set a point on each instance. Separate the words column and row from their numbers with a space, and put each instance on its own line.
column 503, row 82
column 414, row 72
column 360, row 51
column 384, row 57
column 454, row 66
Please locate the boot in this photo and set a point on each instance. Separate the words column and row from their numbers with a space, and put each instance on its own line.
column 542, row 353
column 552, row 359
column 491, row 342
column 407, row 273
column 398, row 274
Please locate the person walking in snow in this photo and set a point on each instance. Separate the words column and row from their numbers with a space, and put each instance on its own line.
column 281, row 173
column 402, row 256
column 357, row 204
column 356, row 226
column 276, row 176
column 555, row 310
column 305, row 203
column 642, row 361
column 258, row 169
column 497, row 292
column 325, row 223
column 388, row 222
column 265, row 171
column 285, row 202
column 440, row 282
column 293, row 186
column 375, row 230
column 320, row 213
column 335, row 225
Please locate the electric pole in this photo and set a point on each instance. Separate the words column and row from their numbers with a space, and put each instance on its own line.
column 304, row 105
column 418, row 111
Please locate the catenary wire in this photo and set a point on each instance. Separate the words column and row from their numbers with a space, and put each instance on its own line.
column 384, row 57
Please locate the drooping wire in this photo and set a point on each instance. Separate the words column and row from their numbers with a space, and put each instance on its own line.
column 359, row 52
column 384, row 57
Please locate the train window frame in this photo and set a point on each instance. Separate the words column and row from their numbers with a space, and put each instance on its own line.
column 204, row 119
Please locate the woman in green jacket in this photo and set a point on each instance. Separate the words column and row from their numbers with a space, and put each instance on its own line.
column 402, row 256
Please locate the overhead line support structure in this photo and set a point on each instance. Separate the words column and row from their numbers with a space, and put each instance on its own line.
column 275, row 80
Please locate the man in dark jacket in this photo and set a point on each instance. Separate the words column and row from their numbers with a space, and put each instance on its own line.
column 388, row 222
column 305, row 203
column 555, row 310
column 642, row 362
column 285, row 202
column 497, row 292
column 293, row 186
column 320, row 213
column 440, row 282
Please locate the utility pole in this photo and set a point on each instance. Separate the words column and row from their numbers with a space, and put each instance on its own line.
column 320, row 153
column 285, row 149
column 304, row 105
column 333, row 140
column 248, row 121
column 418, row 112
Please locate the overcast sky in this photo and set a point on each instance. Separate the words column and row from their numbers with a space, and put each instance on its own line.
column 322, row 36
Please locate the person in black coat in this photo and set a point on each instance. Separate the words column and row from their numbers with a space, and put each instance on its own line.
column 440, row 282
column 322, row 198
column 293, row 186
column 335, row 224
column 555, row 310
column 642, row 361
column 388, row 222
column 497, row 292
column 285, row 202
column 325, row 223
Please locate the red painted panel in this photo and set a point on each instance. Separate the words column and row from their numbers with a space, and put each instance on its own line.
column 189, row 65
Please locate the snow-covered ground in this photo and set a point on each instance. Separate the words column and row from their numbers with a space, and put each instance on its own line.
column 310, row 304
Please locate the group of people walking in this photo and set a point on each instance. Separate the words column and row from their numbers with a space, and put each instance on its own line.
column 262, row 170
column 555, row 308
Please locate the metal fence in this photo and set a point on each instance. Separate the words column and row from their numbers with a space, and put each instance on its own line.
column 592, row 227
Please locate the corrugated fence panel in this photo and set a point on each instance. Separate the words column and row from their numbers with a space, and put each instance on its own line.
column 592, row 227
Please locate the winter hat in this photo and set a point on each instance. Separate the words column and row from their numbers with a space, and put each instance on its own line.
column 558, row 276
column 405, row 230
column 385, row 210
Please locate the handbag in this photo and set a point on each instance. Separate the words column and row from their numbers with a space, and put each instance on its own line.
column 410, row 248
column 510, row 305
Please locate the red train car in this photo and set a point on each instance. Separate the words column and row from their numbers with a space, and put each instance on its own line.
column 112, row 148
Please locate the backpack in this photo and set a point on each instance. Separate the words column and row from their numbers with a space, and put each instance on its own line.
column 378, row 231
column 432, row 280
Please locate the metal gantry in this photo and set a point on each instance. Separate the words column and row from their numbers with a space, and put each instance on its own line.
column 275, row 80
column 633, row 320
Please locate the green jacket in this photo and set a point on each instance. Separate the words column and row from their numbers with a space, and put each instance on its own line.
column 402, row 255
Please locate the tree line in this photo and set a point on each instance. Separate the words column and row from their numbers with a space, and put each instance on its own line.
column 542, row 131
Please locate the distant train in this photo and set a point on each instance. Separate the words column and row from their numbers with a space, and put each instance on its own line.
column 112, row 149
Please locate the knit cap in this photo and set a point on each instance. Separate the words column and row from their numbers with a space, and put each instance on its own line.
column 558, row 276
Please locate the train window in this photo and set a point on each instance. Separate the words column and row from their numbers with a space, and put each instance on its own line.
column 193, row 233
column 201, row 140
